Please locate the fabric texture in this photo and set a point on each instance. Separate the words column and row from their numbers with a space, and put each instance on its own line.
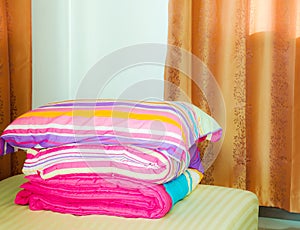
column 251, row 48
column 129, row 161
column 85, row 194
column 15, row 72
column 111, row 122
column 207, row 207
column 110, row 157
column 171, row 128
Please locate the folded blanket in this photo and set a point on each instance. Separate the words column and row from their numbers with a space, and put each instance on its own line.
column 151, row 166
column 169, row 127
column 82, row 194
column 121, row 158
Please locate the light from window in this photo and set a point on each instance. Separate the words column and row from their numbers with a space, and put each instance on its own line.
column 298, row 19
column 261, row 14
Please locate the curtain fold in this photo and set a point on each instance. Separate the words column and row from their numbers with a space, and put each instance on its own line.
column 252, row 50
column 15, row 72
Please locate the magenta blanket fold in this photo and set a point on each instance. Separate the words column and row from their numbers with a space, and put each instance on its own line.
column 80, row 194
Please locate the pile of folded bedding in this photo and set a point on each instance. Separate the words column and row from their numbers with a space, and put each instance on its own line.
column 122, row 158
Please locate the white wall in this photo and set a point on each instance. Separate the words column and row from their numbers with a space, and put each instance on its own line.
column 50, row 55
column 70, row 36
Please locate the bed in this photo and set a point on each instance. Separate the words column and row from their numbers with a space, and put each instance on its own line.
column 90, row 163
column 208, row 207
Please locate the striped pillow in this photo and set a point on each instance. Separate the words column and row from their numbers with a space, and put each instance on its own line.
column 170, row 127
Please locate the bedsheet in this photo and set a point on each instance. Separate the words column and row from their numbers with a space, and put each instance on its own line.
column 207, row 207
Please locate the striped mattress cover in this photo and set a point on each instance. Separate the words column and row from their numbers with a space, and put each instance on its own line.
column 208, row 207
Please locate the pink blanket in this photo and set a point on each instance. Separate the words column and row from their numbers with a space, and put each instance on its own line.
column 81, row 194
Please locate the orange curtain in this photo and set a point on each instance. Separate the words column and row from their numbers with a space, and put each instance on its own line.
column 252, row 48
column 15, row 72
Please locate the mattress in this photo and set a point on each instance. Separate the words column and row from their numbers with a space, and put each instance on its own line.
column 208, row 207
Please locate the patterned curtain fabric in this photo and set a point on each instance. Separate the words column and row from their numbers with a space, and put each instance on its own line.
column 252, row 48
column 15, row 72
